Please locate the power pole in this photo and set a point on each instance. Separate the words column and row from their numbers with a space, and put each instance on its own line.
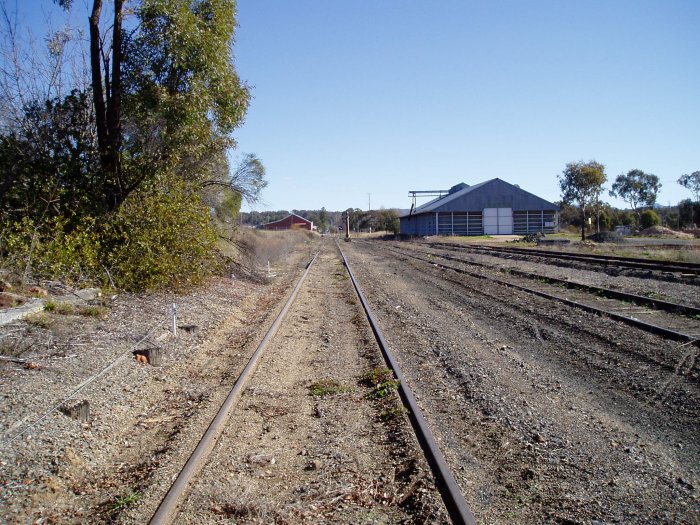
column 347, row 226
column 369, row 210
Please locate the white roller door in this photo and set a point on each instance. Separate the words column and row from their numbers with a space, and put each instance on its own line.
column 498, row 221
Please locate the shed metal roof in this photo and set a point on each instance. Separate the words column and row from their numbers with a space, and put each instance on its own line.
column 494, row 193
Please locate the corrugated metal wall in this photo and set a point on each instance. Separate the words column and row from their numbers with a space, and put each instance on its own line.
column 419, row 225
column 545, row 221
column 460, row 223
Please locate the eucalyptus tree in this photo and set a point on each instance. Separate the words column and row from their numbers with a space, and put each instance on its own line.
column 581, row 183
column 691, row 181
column 184, row 97
column 638, row 189
column 165, row 93
column 135, row 151
column 48, row 162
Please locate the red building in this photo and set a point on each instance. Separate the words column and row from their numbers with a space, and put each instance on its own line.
column 288, row 223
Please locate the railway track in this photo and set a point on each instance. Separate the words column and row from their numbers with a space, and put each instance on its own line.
column 674, row 321
column 190, row 474
column 664, row 270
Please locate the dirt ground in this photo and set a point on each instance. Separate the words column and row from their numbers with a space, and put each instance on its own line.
column 310, row 442
column 545, row 414
column 143, row 419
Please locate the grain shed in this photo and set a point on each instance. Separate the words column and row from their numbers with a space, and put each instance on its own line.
column 494, row 207
column 290, row 222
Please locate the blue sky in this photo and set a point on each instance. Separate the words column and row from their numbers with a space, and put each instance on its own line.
column 383, row 97
column 387, row 96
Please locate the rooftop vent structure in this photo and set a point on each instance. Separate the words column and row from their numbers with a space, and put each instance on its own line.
column 457, row 187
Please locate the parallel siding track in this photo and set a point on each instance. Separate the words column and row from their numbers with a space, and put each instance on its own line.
column 674, row 321
column 685, row 271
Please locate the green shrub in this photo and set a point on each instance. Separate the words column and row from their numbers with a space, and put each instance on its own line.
column 162, row 236
column 649, row 218
column 381, row 381
column 54, row 249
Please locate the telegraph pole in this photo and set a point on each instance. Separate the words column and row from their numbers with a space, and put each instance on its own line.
column 347, row 226
column 369, row 210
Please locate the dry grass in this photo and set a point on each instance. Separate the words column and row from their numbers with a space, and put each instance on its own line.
column 328, row 387
column 243, row 502
column 99, row 312
column 61, row 308
column 253, row 249
column 20, row 338
column 688, row 252
column 39, row 320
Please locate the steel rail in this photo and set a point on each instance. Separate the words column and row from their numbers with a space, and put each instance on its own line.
column 627, row 262
column 648, row 327
column 452, row 496
column 168, row 508
column 657, row 304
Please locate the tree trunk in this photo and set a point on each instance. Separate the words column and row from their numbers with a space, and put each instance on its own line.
column 97, row 92
column 107, row 94
column 114, row 103
column 583, row 223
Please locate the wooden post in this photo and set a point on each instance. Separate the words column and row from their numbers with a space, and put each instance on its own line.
column 81, row 411
column 154, row 355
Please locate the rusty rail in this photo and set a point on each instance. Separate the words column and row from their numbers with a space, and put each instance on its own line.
column 167, row 510
column 452, row 496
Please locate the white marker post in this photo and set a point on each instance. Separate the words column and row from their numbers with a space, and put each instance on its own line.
column 174, row 320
